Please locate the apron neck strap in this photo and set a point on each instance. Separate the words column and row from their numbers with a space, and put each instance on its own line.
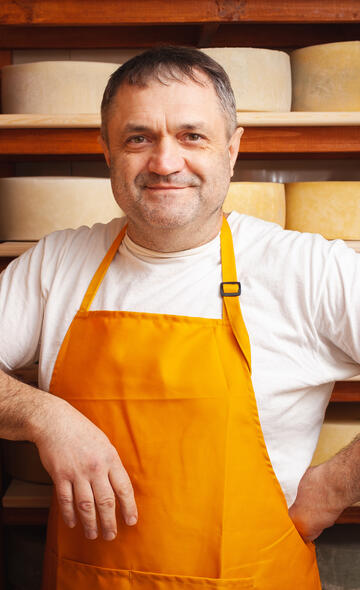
column 230, row 290
column 101, row 271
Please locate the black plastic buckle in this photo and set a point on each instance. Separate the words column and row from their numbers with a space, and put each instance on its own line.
column 235, row 294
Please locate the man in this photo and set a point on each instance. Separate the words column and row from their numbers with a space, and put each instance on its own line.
column 142, row 344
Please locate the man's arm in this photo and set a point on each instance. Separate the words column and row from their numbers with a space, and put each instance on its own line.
column 326, row 490
column 83, row 464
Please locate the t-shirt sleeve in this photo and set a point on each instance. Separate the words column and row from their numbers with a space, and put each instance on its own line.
column 22, row 300
column 338, row 309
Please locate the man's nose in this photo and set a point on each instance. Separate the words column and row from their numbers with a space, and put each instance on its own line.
column 166, row 157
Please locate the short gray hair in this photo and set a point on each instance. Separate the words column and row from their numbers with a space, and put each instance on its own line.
column 166, row 64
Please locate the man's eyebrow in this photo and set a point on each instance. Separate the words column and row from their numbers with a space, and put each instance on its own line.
column 196, row 125
column 136, row 128
column 140, row 128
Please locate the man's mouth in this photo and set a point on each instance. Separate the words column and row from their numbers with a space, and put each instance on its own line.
column 164, row 187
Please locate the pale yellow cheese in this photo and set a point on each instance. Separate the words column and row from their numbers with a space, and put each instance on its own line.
column 51, row 87
column 260, row 78
column 326, row 77
column 341, row 426
column 328, row 208
column 265, row 200
column 31, row 207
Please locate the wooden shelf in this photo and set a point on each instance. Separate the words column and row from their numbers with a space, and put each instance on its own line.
column 123, row 12
column 14, row 249
column 346, row 391
column 257, row 142
column 24, row 516
column 350, row 516
column 272, row 35
column 244, row 118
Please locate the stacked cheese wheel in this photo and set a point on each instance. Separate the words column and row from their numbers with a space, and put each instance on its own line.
column 329, row 208
column 260, row 78
column 341, row 426
column 51, row 87
column 31, row 207
column 265, row 200
column 326, row 77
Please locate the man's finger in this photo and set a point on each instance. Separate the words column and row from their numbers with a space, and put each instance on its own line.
column 65, row 497
column 105, row 505
column 123, row 489
column 85, row 505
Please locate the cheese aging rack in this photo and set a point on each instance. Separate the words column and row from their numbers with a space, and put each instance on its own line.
column 284, row 25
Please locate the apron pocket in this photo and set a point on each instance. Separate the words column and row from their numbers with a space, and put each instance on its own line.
column 73, row 574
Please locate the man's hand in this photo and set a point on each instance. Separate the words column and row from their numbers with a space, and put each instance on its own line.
column 86, row 470
column 316, row 506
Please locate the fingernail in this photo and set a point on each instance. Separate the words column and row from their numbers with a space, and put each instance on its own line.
column 131, row 521
column 109, row 536
column 91, row 534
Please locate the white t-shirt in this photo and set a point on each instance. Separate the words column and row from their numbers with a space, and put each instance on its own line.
column 300, row 301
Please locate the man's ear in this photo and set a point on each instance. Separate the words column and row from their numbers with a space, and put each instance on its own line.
column 105, row 149
column 234, row 144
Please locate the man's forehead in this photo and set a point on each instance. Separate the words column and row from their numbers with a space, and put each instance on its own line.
column 175, row 97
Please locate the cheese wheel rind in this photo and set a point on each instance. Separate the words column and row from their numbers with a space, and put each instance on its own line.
column 265, row 200
column 54, row 87
column 341, row 426
column 328, row 208
column 326, row 77
column 31, row 207
column 260, row 78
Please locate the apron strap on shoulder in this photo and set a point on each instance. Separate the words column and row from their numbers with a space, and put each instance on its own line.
column 101, row 271
column 230, row 290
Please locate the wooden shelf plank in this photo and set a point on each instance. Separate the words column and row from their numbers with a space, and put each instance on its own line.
column 123, row 12
column 350, row 516
column 346, row 391
column 267, row 35
column 24, row 516
column 14, row 249
column 246, row 119
column 340, row 141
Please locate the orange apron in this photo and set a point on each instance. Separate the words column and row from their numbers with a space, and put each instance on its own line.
column 174, row 395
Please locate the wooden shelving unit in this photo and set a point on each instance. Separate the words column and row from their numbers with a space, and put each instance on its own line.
column 286, row 24
column 257, row 142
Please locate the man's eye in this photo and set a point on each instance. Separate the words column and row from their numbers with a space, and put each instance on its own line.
column 193, row 136
column 136, row 139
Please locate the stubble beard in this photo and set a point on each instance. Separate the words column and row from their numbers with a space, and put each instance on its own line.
column 165, row 211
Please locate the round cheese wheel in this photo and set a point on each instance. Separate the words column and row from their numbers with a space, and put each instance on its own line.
column 31, row 207
column 326, row 77
column 260, row 78
column 51, row 87
column 265, row 200
column 341, row 426
column 328, row 208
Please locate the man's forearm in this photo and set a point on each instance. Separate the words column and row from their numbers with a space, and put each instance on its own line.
column 77, row 455
column 326, row 490
column 21, row 408
column 343, row 475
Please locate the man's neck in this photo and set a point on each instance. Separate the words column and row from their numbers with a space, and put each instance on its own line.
column 176, row 239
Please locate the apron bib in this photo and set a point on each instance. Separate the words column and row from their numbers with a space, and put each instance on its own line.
column 174, row 396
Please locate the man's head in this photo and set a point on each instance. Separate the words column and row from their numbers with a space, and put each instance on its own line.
column 171, row 141
column 166, row 65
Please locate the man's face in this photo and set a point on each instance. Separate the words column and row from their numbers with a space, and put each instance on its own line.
column 170, row 156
